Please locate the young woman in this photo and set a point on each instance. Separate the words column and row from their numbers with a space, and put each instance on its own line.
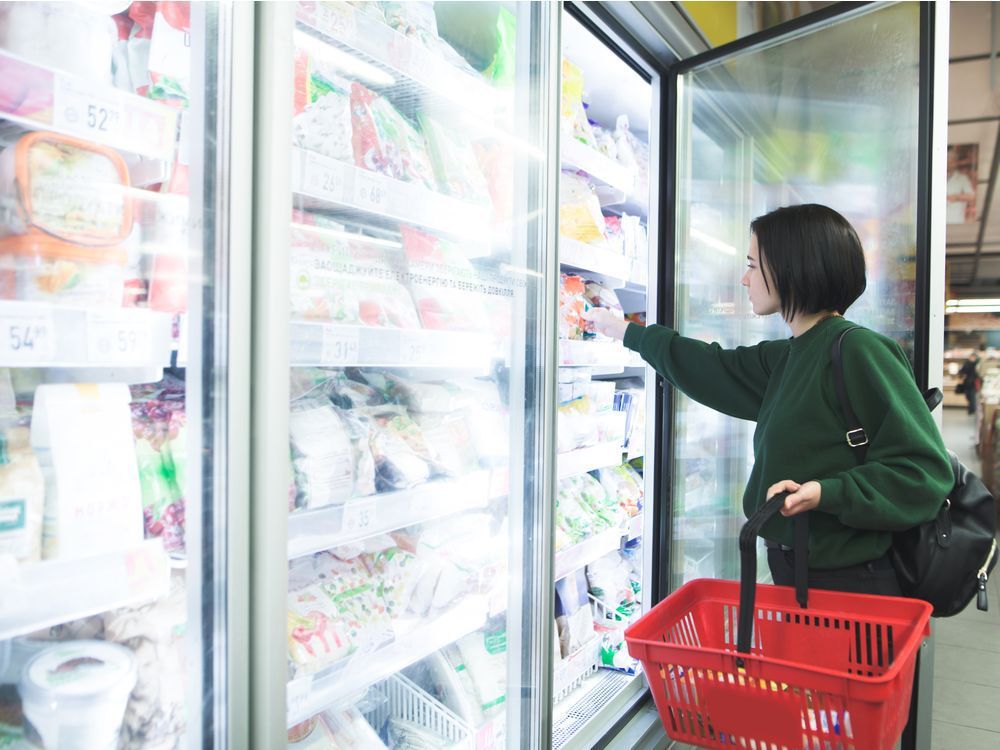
column 806, row 264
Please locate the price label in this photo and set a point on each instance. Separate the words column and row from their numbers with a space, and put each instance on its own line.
column 359, row 516
column 336, row 19
column 298, row 694
column 325, row 178
column 415, row 351
column 27, row 339
column 86, row 109
column 370, row 191
column 341, row 346
column 117, row 339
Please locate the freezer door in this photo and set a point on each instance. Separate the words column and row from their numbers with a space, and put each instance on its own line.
column 829, row 112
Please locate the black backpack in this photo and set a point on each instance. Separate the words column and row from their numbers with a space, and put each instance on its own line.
column 945, row 561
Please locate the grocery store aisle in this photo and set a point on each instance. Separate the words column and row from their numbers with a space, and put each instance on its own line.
column 967, row 646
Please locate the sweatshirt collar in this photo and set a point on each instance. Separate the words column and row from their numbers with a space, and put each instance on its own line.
column 835, row 322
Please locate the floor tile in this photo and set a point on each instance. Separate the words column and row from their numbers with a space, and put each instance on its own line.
column 967, row 664
column 979, row 635
column 966, row 704
column 946, row 736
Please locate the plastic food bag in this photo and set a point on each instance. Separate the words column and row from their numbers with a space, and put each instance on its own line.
column 22, row 496
column 484, row 654
column 634, row 154
column 580, row 216
column 322, row 121
column 573, row 117
column 573, row 303
column 574, row 621
column 624, row 485
column 402, row 457
column 455, row 164
column 384, row 141
column 609, row 583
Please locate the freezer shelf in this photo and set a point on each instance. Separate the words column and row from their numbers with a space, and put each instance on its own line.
column 575, row 557
column 312, row 531
column 588, row 353
column 600, row 265
column 331, row 344
column 583, row 460
column 309, row 694
column 41, row 335
column 579, row 156
column 443, row 85
column 324, row 183
column 52, row 100
column 43, row 594
column 571, row 671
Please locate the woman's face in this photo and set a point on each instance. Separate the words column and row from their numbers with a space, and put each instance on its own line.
column 763, row 297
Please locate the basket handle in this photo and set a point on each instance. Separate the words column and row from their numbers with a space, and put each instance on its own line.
column 748, row 565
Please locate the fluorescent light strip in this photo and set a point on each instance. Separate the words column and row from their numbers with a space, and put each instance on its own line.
column 348, row 64
column 971, row 309
column 342, row 235
column 713, row 243
column 984, row 302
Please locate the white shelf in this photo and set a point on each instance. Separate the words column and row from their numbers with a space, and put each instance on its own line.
column 46, row 593
column 312, row 531
column 331, row 344
column 43, row 335
column 602, row 169
column 75, row 106
column 587, row 459
column 326, row 183
column 601, row 265
column 569, row 672
column 574, row 353
column 445, row 85
column 575, row 557
column 309, row 694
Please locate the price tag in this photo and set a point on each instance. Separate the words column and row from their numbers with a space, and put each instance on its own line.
column 336, row 19
column 341, row 346
column 117, row 339
column 414, row 351
column 359, row 515
column 370, row 191
column 324, row 178
column 27, row 338
column 86, row 109
column 298, row 694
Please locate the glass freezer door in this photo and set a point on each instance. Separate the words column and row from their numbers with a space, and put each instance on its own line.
column 825, row 114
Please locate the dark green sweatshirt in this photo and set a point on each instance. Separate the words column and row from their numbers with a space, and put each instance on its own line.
column 786, row 387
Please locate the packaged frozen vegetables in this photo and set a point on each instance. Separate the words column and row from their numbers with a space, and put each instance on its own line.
column 450, row 441
column 322, row 121
column 573, row 117
column 573, row 520
column 484, row 654
column 623, row 484
column 347, row 729
column 416, row 19
column 157, row 60
column 592, row 496
column 331, row 458
column 609, row 583
column 385, row 142
column 455, row 165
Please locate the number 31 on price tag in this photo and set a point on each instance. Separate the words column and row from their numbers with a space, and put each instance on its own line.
column 359, row 515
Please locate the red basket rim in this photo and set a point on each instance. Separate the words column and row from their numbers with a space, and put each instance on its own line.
column 920, row 625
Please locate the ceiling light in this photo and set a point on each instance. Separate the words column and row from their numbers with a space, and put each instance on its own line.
column 347, row 63
column 971, row 309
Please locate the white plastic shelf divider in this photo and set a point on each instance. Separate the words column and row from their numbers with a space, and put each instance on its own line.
column 332, row 344
column 587, row 459
column 312, row 531
column 588, row 353
column 569, row 672
column 575, row 557
column 42, row 594
column 329, row 182
column 600, row 265
column 402, row 55
column 579, row 156
column 309, row 694
column 42, row 335
column 54, row 100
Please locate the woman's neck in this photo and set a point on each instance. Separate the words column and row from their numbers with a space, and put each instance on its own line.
column 802, row 323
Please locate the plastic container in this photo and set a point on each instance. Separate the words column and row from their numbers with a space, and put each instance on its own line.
column 74, row 695
column 44, row 269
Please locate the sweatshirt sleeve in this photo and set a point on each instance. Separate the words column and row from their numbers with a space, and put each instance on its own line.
column 732, row 381
column 907, row 472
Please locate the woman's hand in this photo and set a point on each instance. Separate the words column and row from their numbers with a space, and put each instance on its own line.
column 605, row 322
column 803, row 497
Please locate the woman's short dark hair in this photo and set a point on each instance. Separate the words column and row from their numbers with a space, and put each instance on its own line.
column 813, row 256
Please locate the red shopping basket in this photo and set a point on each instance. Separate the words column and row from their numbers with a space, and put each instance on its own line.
column 835, row 676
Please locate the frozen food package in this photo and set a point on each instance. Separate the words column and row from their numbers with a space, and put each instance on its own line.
column 348, row 730
column 443, row 676
column 441, row 396
column 574, row 620
column 416, row 19
column 385, row 142
column 395, row 572
column 412, row 736
column 574, row 425
column 603, row 508
column 573, row 117
column 572, row 517
column 455, row 164
column 170, row 54
column 22, row 496
column 488, row 422
column 623, row 484
column 450, row 441
column 580, row 216
column 322, row 121
column 609, row 583
column 484, row 654
column 311, row 734
column 604, row 141
column 331, row 459
column 573, row 303
column 402, row 457
column 316, row 634
column 634, row 154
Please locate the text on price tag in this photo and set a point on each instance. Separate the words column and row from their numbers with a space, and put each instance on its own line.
column 359, row 515
column 117, row 339
column 341, row 346
column 27, row 338
column 336, row 19
column 324, row 178
column 371, row 191
column 298, row 694
column 82, row 107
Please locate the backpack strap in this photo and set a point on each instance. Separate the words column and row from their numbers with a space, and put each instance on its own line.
column 855, row 435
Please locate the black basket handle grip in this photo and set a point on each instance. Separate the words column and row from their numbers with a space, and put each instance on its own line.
column 748, row 565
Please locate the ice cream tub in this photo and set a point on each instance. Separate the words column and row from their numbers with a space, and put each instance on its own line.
column 38, row 268
column 74, row 694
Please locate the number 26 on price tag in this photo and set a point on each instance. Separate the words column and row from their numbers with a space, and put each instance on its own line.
column 359, row 515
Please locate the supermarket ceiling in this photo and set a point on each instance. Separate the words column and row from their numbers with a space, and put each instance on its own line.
column 973, row 246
